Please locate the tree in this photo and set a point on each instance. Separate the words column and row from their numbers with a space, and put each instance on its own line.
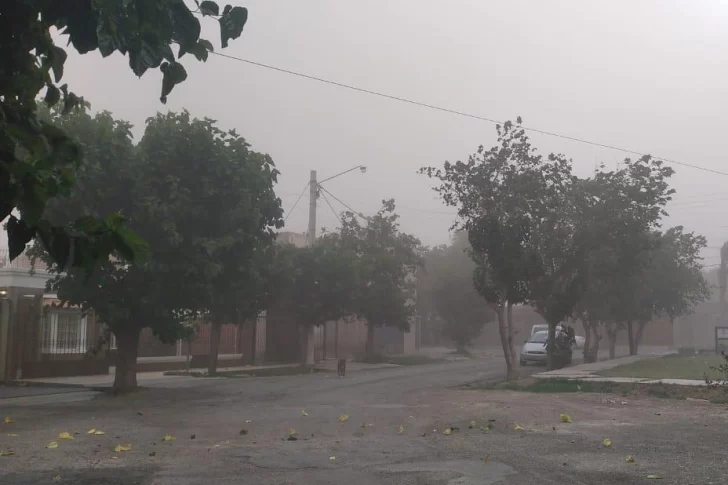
column 202, row 200
column 38, row 160
column 222, row 195
column 386, row 265
column 319, row 287
column 508, row 199
column 620, row 209
column 446, row 281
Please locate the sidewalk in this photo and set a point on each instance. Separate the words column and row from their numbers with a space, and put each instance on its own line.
column 588, row 371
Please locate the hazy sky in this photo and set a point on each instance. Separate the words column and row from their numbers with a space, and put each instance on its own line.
column 646, row 75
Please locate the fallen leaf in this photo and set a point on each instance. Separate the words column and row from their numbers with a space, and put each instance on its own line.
column 654, row 477
column 13, row 435
column 303, row 412
column 518, row 427
column 400, row 430
column 91, row 431
column 629, row 459
column 343, row 418
column 243, row 432
column 486, row 458
column 624, row 403
column 52, row 445
column 292, row 435
column 226, row 442
column 447, row 432
column 65, row 436
column 120, row 448
column 565, row 418
column 410, row 417
column 152, row 453
column 8, row 420
column 607, row 442
column 248, row 421
column 57, row 478
column 193, row 436
column 7, row 452
column 332, row 458
column 168, row 437
column 98, row 432
column 473, row 424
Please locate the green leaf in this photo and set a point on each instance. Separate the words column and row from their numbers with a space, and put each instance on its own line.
column 53, row 95
column 19, row 234
column 185, row 26
column 57, row 58
column 173, row 74
column 231, row 23
column 209, row 8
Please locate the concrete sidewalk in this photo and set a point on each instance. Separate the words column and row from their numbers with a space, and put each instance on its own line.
column 588, row 371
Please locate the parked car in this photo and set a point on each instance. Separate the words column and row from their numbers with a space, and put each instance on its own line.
column 578, row 340
column 534, row 349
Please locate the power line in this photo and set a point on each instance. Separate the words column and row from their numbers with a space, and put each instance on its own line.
column 323, row 194
column 456, row 112
column 296, row 203
column 343, row 203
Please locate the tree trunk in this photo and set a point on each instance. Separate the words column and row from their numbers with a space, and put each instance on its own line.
column 638, row 335
column 127, row 344
column 612, row 332
column 551, row 347
column 511, row 335
column 587, row 340
column 254, row 342
column 631, row 338
column 215, row 333
column 189, row 355
column 369, row 349
column 504, row 332
column 596, row 339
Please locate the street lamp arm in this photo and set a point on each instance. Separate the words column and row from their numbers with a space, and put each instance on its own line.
column 359, row 167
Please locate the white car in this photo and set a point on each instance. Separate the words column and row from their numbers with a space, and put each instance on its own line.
column 544, row 328
column 534, row 350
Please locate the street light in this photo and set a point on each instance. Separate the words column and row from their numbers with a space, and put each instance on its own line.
column 362, row 169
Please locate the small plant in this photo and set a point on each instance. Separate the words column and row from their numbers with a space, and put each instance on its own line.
column 722, row 371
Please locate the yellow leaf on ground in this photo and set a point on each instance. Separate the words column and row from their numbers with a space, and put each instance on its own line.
column 447, row 432
column 13, row 435
column 292, row 432
column 168, row 437
column 52, row 445
column 332, row 458
column 629, row 459
column 343, row 418
column 98, row 432
column 65, row 436
column 607, row 442
column 120, row 448
column 91, row 431
column 565, row 418
column 654, row 477
column 518, row 427
column 400, row 430
column 8, row 420
column 7, row 452
column 248, row 421
column 473, row 424
column 57, row 478
column 303, row 412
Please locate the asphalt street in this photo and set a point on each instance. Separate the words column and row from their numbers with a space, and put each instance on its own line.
column 386, row 426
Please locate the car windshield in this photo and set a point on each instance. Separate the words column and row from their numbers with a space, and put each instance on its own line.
column 539, row 338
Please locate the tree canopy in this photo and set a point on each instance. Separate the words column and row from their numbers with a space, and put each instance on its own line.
column 203, row 201
column 38, row 160
column 445, row 283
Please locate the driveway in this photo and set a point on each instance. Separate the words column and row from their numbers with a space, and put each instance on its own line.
column 392, row 433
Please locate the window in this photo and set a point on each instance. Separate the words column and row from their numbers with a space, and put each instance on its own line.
column 64, row 332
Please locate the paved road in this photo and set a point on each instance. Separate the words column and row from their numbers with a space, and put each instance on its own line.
column 679, row 443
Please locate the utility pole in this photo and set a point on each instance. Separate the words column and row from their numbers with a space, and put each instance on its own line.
column 313, row 187
column 307, row 332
